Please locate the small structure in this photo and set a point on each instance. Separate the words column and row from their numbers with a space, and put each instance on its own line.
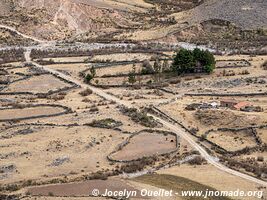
column 228, row 103
column 195, row 106
column 233, row 104
column 241, row 105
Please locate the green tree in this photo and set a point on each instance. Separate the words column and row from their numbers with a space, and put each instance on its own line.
column 183, row 61
column 186, row 61
column 209, row 68
column 88, row 78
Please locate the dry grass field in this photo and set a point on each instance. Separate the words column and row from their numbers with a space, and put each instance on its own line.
column 37, row 84
column 145, row 145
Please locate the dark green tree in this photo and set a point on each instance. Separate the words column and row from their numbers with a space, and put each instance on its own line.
column 186, row 61
column 88, row 78
column 183, row 62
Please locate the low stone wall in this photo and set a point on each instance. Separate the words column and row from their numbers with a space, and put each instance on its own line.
column 246, row 149
column 228, row 95
column 67, row 110
column 39, row 93
column 248, row 64
column 120, row 146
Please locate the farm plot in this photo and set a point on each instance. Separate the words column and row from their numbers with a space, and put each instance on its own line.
column 70, row 69
column 144, row 145
column 136, row 94
column 37, row 84
column 225, row 118
column 232, row 63
column 232, row 141
column 83, row 188
column 123, row 80
column 204, row 119
column 123, row 57
column 31, row 112
column 58, row 150
column 67, row 59
column 116, row 70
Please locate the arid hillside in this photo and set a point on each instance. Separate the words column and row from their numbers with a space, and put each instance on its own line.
column 138, row 20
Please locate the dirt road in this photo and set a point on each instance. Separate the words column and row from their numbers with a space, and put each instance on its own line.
column 21, row 34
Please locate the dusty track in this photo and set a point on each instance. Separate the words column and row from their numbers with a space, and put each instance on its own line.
column 21, row 34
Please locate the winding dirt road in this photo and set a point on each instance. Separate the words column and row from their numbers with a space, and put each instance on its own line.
column 22, row 34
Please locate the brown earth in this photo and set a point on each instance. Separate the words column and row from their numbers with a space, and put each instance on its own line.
column 145, row 145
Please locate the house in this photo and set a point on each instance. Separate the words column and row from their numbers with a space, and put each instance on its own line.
column 233, row 104
column 241, row 105
column 228, row 103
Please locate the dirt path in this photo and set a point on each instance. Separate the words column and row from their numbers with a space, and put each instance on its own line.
column 21, row 34
column 176, row 129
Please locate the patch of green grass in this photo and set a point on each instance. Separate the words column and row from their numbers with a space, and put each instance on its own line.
column 177, row 184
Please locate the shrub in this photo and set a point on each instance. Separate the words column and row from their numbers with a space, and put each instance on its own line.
column 88, row 78
column 98, row 175
column 105, row 123
column 51, row 194
column 138, row 165
column 86, row 92
column 198, row 160
column 140, row 117
column 94, row 109
column 264, row 65
column 147, row 67
column 260, row 159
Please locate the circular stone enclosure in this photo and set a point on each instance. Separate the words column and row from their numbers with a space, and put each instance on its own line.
column 145, row 144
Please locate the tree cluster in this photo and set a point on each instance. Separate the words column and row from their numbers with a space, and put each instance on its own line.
column 188, row 61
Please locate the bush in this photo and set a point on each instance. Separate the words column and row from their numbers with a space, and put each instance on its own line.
column 98, row 176
column 260, row 159
column 86, row 92
column 88, row 78
column 264, row 65
column 140, row 117
column 198, row 160
column 138, row 165
column 105, row 123
column 50, row 194
column 94, row 109
column 147, row 67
